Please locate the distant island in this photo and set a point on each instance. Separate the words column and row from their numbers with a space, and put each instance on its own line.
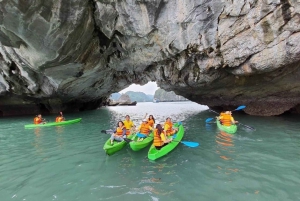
column 167, row 96
column 160, row 94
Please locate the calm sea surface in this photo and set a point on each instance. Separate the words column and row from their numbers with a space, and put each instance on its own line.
column 69, row 163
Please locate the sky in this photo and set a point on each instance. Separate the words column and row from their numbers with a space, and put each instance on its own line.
column 148, row 88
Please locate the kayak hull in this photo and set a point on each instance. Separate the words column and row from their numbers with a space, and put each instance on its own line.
column 73, row 121
column 138, row 145
column 228, row 129
column 154, row 154
column 117, row 146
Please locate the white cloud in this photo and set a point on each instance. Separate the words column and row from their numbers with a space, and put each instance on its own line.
column 148, row 88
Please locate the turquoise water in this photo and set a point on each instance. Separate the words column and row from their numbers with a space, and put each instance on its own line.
column 68, row 162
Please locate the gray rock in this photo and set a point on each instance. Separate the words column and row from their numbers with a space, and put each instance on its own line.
column 71, row 55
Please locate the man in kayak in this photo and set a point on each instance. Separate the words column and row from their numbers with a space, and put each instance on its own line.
column 60, row 118
column 227, row 119
column 39, row 120
column 129, row 125
column 160, row 139
column 168, row 127
column 144, row 130
column 119, row 134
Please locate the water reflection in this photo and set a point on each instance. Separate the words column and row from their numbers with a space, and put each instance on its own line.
column 226, row 151
column 224, row 145
column 37, row 140
column 59, row 139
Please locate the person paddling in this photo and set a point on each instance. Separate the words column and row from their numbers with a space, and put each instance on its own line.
column 168, row 127
column 119, row 134
column 60, row 117
column 144, row 130
column 160, row 139
column 129, row 125
column 227, row 119
column 38, row 119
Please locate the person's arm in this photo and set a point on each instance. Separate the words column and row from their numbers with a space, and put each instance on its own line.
column 132, row 124
column 233, row 121
column 138, row 129
column 124, row 133
column 145, row 116
column 164, row 138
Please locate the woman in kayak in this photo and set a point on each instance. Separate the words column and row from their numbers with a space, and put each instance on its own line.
column 129, row 125
column 227, row 119
column 60, row 118
column 160, row 139
column 39, row 120
column 168, row 127
column 119, row 134
column 151, row 120
column 144, row 130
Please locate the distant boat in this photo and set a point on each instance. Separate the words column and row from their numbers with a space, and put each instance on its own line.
column 155, row 100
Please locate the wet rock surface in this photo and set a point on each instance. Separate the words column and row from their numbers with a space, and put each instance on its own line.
column 71, row 55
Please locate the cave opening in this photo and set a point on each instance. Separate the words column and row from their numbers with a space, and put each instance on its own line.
column 149, row 92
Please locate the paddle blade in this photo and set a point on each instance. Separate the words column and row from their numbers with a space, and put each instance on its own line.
column 190, row 144
column 127, row 140
column 208, row 120
column 240, row 108
column 246, row 126
column 141, row 135
column 107, row 131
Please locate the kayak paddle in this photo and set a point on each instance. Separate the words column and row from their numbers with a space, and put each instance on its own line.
column 189, row 144
column 209, row 119
column 110, row 131
column 240, row 108
column 247, row 126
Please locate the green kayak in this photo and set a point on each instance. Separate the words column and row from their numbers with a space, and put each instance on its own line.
column 53, row 123
column 154, row 154
column 138, row 145
column 117, row 146
column 228, row 129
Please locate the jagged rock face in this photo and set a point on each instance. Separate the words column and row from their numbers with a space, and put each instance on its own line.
column 124, row 98
column 71, row 55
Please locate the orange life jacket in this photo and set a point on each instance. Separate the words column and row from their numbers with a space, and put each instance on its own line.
column 37, row 120
column 170, row 129
column 59, row 119
column 226, row 119
column 222, row 113
column 157, row 141
column 145, row 129
column 151, row 122
column 120, row 131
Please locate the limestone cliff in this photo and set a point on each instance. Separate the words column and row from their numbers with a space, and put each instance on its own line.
column 72, row 54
